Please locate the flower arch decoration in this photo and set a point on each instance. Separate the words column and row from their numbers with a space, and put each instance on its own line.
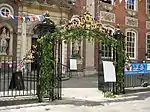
column 77, row 28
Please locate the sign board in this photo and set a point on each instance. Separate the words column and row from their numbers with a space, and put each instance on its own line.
column 17, row 81
column 73, row 64
column 109, row 71
column 137, row 68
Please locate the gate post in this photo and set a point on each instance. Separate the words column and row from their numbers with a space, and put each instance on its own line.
column 42, row 29
column 118, row 35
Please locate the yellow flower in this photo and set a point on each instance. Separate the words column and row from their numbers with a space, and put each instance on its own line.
column 94, row 24
column 82, row 22
column 88, row 26
column 75, row 21
column 68, row 26
column 88, row 17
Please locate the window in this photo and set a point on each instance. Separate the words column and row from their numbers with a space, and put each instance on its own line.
column 108, row 1
column 131, row 44
column 148, row 7
column 148, row 46
column 5, row 12
column 132, row 4
column 107, row 51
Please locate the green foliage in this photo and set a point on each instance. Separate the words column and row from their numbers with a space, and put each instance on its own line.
column 46, row 66
column 109, row 95
column 47, row 60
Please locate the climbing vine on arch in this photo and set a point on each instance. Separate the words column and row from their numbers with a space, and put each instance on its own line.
column 77, row 29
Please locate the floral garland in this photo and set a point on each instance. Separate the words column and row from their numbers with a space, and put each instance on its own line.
column 77, row 29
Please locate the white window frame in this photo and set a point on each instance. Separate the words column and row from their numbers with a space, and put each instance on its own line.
column 148, row 58
column 112, row 2
column 147, row 4
column 9, row 8
column 107, row 57
column 135, row 45
column 5, row 8
column 135, row 5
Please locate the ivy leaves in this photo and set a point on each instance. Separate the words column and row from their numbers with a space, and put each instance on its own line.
column 47, row 43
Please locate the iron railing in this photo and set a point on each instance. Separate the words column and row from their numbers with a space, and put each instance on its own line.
column 14, row 81
column 66, row 73
column 136, row 80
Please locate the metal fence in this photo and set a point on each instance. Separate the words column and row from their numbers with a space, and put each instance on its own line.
column 138, row 80
column 15, row 81
column 19, row 78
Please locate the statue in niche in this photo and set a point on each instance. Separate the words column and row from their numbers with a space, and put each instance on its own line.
column 76, row 48
column 3, row 42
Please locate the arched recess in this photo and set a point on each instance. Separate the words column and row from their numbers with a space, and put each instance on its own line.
column 31, row 27
column 6, row 42
column 131, row 43
column 107, row 51
column 32, row 39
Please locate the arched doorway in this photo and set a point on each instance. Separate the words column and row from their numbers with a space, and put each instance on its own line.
column 40, row 30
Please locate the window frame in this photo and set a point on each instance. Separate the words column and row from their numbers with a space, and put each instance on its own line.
column 107, row 57
column 148, row 58
column 5, row 8
column 135, row 5
column 8, row 7
column 112, row 2
column 147, row 12
column 135, row 43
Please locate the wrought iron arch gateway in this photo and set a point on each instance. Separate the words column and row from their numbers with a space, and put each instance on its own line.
column 77, row 29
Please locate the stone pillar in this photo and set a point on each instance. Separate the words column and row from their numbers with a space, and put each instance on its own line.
column 89, row 52
column 11, row 44
column 19, row 42
column 23, row 40
column 19, row 37
column 63, row 56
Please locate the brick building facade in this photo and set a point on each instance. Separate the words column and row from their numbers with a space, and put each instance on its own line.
column 133, row 18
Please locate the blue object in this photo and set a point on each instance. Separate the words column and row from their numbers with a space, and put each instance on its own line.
column 137, row 68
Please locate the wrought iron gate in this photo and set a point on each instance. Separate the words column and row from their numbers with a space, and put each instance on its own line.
column 20, row 78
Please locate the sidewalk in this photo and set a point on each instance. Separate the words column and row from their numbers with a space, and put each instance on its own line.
column 73, row 100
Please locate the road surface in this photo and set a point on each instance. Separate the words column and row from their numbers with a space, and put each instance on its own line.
column 130, row 103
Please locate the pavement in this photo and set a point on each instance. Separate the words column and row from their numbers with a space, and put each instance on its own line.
column 81, row 82
column 82, row 95
column 88, row 100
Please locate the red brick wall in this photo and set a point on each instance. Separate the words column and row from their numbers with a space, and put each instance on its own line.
column 120, row 13
column 142, row 29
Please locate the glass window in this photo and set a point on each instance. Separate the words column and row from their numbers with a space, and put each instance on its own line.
column 107, row 51
column 148, row 46
column 131, row 44
column 108, row 1
column 5, row 12
column 132, row 4
column 148, row 7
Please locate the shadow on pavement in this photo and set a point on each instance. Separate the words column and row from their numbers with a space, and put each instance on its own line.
column 124, row 98
column 73, row 101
